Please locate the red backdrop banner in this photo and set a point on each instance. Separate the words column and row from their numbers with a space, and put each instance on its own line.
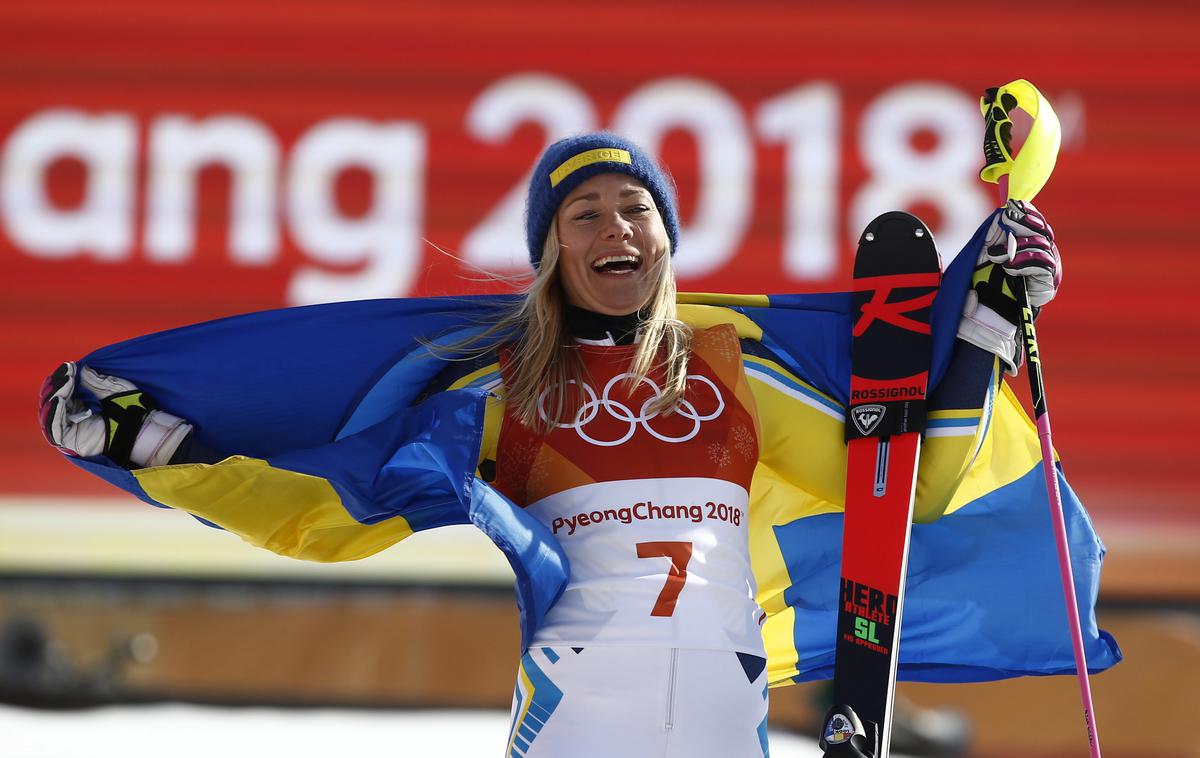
column 167, row 163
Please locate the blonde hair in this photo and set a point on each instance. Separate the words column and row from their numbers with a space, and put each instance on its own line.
column 545, row 362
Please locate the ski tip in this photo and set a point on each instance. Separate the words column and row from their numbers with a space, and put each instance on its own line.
column 898, row 223
column 894, row 242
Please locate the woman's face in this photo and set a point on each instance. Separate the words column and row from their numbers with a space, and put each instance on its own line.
column 610, row 235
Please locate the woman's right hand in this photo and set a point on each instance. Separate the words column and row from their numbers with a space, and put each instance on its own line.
column 129, row 429
column 67, row 423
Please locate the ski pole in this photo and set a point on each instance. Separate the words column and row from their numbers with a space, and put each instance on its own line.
column 1021, row 180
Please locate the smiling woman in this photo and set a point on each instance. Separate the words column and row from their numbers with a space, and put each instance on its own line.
column 633, row 438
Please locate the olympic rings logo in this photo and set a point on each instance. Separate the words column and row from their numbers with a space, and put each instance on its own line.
column 622, row 412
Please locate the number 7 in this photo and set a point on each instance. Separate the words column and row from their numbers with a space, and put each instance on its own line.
column 680, row 554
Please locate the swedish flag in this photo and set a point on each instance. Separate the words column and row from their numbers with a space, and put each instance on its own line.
column 340, row 455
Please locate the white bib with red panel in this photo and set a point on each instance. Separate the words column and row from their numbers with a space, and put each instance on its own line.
column 650, row 509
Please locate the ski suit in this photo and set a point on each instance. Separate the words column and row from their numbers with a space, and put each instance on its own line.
column 652, row 512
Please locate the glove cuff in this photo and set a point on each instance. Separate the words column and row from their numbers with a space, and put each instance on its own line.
column 158, row 439
column 985, row 328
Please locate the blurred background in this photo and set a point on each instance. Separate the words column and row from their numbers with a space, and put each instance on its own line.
column 166, row 163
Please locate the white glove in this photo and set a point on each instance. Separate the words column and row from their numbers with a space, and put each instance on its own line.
column 130, row 429
column 1022, row 242
column 1019, row 242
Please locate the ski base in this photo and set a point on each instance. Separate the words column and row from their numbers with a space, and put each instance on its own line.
column 844, row 735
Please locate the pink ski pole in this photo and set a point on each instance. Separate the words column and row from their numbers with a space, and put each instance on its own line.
column 1042, row 419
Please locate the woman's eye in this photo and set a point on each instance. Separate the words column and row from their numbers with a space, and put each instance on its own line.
column 638, row 210
column 585, row 216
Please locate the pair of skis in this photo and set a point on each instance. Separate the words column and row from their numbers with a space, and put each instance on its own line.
column 896, row 275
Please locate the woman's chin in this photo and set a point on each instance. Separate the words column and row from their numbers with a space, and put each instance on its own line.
column 612, row 295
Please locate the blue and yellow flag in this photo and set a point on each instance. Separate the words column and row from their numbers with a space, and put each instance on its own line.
column 340, row 454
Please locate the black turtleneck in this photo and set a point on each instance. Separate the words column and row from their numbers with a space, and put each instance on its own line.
column 601, row 327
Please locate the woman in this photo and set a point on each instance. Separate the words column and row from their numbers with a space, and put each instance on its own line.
column 613, row 406
column 631, row 429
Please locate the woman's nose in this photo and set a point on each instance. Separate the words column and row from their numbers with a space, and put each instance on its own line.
column 617, row 227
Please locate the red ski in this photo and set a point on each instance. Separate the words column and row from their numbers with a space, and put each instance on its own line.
column 896, row 276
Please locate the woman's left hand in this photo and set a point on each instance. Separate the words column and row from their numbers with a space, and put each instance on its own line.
column 1021, row 241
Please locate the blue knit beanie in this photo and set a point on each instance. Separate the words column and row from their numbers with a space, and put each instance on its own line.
column 569, row 162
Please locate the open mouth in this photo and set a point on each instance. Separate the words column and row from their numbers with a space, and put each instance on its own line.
column 617, row 264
